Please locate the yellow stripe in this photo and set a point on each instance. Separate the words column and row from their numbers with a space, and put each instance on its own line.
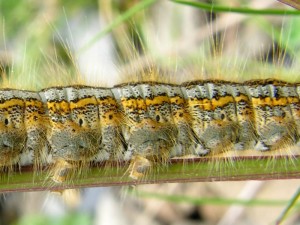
column 83, row 102
column 62, row 107
column 221, row 102
column 11, row 102
column 157, row 100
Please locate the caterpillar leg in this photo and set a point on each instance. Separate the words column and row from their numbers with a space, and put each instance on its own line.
column 61, row 171
column 138, row 167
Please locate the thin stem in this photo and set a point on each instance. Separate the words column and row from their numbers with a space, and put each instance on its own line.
column 243, row 10
column 178, row 170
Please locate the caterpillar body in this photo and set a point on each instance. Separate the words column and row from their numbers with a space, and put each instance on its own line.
column 145, row 121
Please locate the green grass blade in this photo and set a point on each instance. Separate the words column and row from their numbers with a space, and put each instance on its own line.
column 117, row 21
column 210, row 201
column 291, row 204
column 243, row 10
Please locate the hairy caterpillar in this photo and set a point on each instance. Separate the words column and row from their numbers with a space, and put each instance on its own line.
column 69, row 128
column 62, row 168
column 147, row 121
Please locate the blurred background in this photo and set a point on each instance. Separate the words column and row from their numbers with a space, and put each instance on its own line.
column 107, row 42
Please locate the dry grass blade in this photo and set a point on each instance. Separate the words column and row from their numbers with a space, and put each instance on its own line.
column 293, row 3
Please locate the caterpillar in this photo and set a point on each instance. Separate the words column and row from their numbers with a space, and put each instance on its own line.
column 37, row 132
column 144, row 122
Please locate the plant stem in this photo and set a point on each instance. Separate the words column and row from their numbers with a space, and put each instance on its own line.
column 178, row 170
